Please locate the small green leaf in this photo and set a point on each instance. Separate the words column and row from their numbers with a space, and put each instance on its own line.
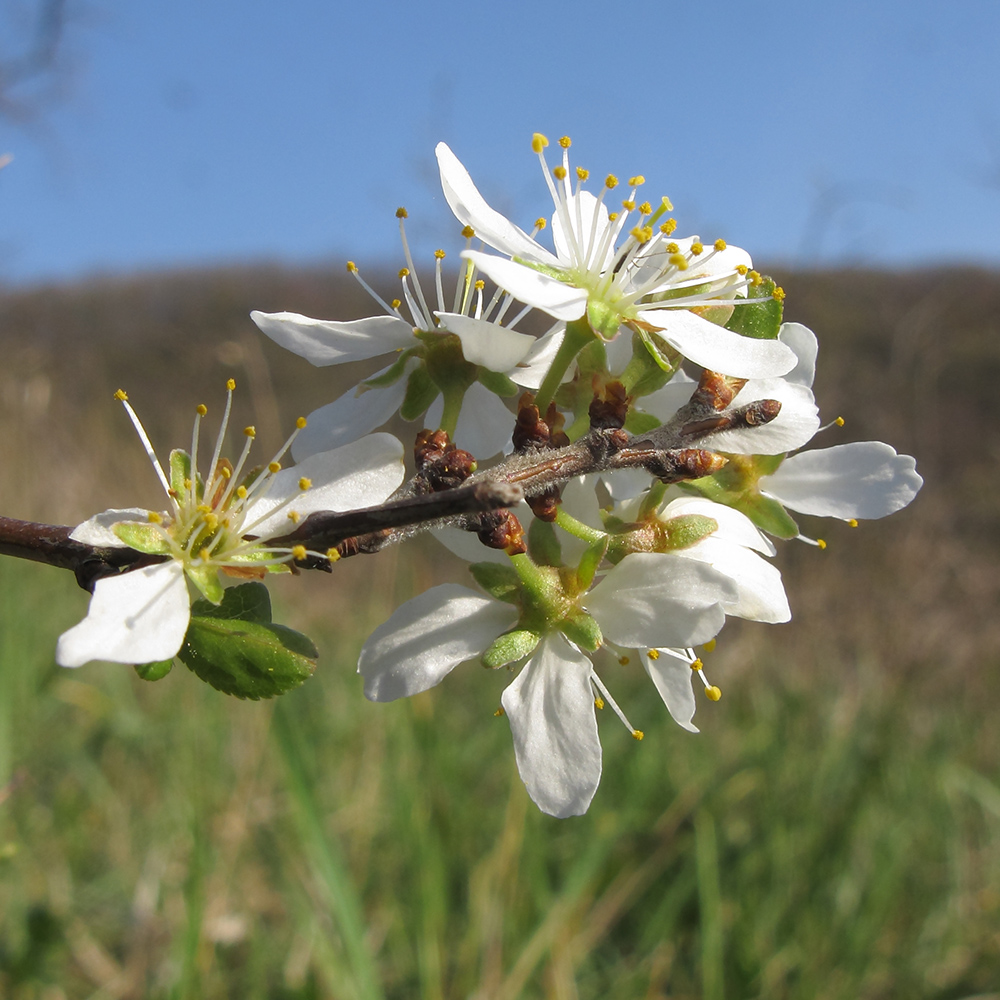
column 637, row 422
column 248, row 602
column 543, row 544
column 759, row 320
column 498, row 383
column 510, row 647
column 589, row 562
column 154, row 671
column 142, row 537
column 580, row 628
column 421, row 391
column 498, row 580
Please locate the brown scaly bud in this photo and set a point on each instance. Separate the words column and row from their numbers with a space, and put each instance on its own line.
column 429, row 446
column 609, row 412
column 500, row 529
column 717, row 391
column 440, row 465
column 363, row 544
column 545, row 505
column 530, row 431
column 755, row 414
column 558, row 438
column 684, row 463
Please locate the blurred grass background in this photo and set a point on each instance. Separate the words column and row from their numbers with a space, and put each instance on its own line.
column 834, row 832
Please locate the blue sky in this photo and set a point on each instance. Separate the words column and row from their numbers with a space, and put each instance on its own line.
column 194, row 133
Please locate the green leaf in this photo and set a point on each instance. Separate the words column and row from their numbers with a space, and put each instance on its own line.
column 543, row 544
column 141, row 537
column 510, row 647
column 498, row 383
column 637, row 422
column 154, row 671
column 498, row 580
column 421, row 391
column 759, row 320
column 235, row 648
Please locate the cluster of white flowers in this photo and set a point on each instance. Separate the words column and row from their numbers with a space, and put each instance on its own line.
column 620, row 566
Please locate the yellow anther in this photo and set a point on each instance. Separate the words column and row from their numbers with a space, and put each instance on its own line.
column 642, row 234
column 637, row 734
column 696, row 664
column 611, row 182
column 298, row 553
column 636, row 181
column 250, row 431
column 273, row 467
column 293, row 516
column 201, row 409
column 121, row 395
column 352, row 267
column 154, row 518
column 612, row 216
column 742, row 269
column 305, row 483
column 709, row 646
column 645, row 208
column 653, row 654
column 499, row 713
column 713, row 693
column 231, row 384
column 241, row 492
column 538, row 142
column 720, row 244
column 396, row 303
column 401, row 213
column 778, row 294
column 468, row 232
column 203, row 508
column 204, row 555
column 668, row 227
column 565, row 142
column 755, row 278
column 840, row 421
column 628, row 204
column 697, row 248
column 820, row 544
column 439, row 255
column 598, row 702
column 679, row 261
column 541, row 223
column 672, row 248
column 582, row 174
column 211, row 521
column 852, row 522
column 300, row 422
column 559, row 173
column 226, row 472
column 624, row 661
column 404, row 272
column 479, row 284
column 332, row 554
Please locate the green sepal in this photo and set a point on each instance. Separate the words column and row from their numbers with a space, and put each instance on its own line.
column 180, row 475
column 141, row 537
column 393, row 373
column 420, row 393
column 645, row 373
column 580, row 628
column 589, row 562
column 592, row 360
column 155, row 671
column 688, row 529
column 498, row 580
column 759, row 320
column 543, row 544
column 637, row 422
column 510, row 647
column 237, row 650
column 446, row 364
column 205, row 577
column 603, row 318
column 666, row 358
column 498, row 383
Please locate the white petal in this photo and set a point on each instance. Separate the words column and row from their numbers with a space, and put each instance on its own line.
column 484, row 425
column 558, row 299
column 803, row 342
column 360, row 474
column 97, row 530
column 137, row 617
column 673, row 680
column 427, row 637
column 532, row 370
column 654, row 599
column 550, row 705
column 734, row 526
column 348, row 417
column 866, row 479
column 719, row 349
column 619, row 352
column 328, row 342
column 760, row 593
column 721, row 265
column 487, row 344
column 626, row 484
column 794, row 426
column 589, row 224
column 665, row 402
